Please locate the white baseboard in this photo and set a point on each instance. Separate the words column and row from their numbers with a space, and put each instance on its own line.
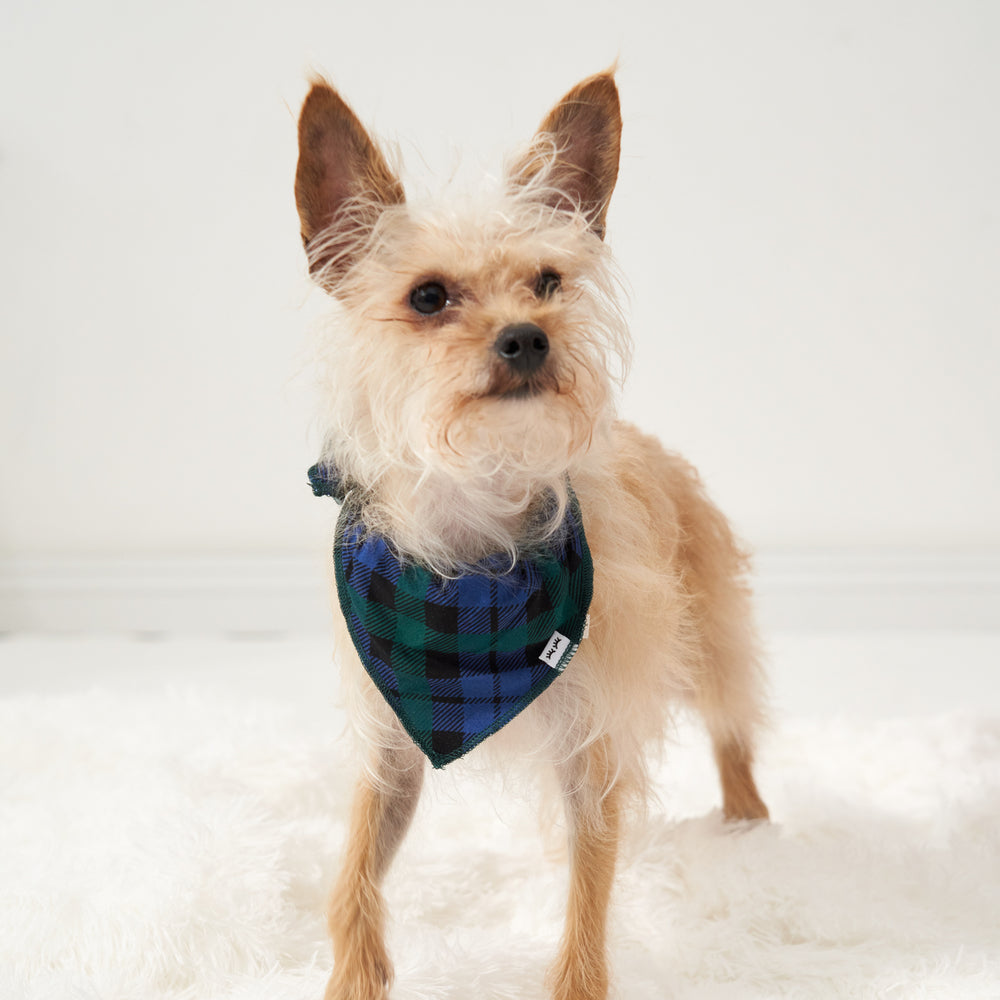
column 835, row 589
column 797, row 590
column 197, row 594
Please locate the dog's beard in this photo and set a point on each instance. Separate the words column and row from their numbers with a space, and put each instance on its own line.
column 524, row 430
column 453, row 473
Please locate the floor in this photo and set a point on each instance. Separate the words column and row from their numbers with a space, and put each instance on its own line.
column 174, row 808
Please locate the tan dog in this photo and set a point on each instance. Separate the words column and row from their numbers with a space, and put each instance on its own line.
column 469, row 381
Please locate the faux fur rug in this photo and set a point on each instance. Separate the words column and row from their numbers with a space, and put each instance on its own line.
column 180, row 845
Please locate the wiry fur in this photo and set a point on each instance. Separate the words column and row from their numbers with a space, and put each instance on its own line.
column 457, row 456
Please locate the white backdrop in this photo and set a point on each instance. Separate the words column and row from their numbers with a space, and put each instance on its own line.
column 807, row 211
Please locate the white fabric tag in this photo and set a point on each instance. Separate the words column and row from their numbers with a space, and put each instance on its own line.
column 554, row 650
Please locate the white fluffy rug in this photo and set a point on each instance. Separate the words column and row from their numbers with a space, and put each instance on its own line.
column 179, row 845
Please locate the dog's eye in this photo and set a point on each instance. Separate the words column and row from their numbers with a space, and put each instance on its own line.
column 429, row 298
column 548, row 283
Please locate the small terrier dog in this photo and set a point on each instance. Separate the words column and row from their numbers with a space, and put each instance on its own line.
column 470, row 432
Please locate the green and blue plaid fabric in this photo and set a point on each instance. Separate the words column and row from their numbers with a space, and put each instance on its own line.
column 457, row 659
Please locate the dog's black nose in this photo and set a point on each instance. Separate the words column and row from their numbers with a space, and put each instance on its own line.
column 523, row 346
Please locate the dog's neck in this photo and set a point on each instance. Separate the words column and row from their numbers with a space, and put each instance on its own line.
column 447, row 523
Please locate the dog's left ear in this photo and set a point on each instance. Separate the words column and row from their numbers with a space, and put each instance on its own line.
column 586, row 128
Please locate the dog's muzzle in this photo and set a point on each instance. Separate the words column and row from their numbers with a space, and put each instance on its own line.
column 523, row 346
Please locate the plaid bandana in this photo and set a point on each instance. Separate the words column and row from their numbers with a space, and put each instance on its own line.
column 457, row 659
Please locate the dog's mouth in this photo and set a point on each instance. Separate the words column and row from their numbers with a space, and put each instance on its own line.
column 503, row 385
column 525, row 391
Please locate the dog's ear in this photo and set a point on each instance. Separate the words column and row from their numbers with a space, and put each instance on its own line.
column 586, row 128
column 342, row 184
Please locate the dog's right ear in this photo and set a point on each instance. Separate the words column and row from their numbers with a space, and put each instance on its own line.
column 342, row 184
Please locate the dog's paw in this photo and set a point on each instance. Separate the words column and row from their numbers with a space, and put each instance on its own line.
column 745, row 809
column 578, row 977
column 351, row 981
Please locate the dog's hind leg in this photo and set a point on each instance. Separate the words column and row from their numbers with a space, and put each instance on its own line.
column 384, row 803
column 727, row 685
column 593, row 806
column 740, row 798
column 729, row 697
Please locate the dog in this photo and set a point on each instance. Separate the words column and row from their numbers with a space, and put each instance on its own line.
column 470, row 432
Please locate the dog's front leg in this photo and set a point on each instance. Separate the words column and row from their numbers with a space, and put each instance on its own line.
column 592, row 811
column 384, row 803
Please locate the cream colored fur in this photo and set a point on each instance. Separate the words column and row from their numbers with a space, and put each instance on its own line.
column 454, row 453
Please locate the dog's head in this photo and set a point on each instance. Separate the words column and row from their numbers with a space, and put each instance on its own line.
column 474, row 343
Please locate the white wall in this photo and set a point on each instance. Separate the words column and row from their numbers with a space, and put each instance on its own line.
column 808, row 213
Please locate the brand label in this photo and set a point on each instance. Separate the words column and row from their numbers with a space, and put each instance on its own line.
column 554, row 650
